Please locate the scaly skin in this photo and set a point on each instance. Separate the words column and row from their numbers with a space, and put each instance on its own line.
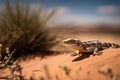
column 94, row 46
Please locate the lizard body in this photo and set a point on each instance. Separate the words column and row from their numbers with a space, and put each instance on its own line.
column 89, row 46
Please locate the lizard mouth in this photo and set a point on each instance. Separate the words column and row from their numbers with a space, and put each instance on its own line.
column 64, row 41
column 69, row 41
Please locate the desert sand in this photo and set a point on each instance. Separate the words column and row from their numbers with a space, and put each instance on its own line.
column 64, row 67
column 85, row 67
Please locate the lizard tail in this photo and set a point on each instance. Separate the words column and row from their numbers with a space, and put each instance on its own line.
column 111, row 45
column 118, row 46
column 115, row 45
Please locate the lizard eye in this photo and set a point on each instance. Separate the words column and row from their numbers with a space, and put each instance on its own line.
column 72, row 41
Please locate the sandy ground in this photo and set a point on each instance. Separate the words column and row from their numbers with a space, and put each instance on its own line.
column 85, row 67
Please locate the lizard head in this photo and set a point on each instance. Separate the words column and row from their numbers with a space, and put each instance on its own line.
column 70, row 41
column 74, row 43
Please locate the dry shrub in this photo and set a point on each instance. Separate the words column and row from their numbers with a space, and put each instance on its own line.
column 25, row 29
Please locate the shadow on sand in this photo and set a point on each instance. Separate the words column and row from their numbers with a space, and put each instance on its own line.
column 41, row 54
column 83, row 56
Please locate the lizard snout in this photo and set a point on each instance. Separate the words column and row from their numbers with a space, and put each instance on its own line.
column 64, row 41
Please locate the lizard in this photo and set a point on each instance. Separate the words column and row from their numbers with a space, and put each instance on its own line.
column 94, row 46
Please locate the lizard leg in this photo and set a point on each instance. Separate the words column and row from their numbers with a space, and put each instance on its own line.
column 75, row 53
column 96, row 52
column 90, row 49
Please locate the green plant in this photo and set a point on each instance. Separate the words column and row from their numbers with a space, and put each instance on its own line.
column 48, row 76
column 67, row 71
column 25, row 29
column 7, row 60
column 118, row 76
column 16, row 72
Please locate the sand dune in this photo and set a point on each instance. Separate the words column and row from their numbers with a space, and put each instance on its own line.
column 85, row 67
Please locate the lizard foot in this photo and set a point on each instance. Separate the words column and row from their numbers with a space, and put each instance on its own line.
column 73, row 54
column 98, row 53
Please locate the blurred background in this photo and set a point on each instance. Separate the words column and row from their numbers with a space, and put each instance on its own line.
column 84, row 19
